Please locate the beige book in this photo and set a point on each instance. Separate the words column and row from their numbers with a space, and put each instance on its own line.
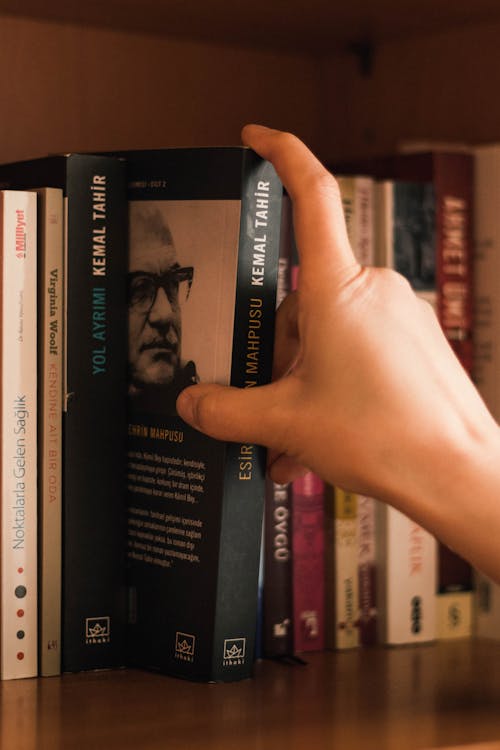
column 50, row 305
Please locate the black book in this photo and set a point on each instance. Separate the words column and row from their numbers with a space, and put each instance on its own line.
column 204, row 228
column 94, row 408
column 277, row 602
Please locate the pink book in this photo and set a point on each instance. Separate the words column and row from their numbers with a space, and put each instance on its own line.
column 308, row 554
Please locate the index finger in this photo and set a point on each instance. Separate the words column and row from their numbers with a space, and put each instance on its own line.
column 320, row 229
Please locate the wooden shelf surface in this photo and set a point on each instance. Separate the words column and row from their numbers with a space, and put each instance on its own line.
column 311, row 26
column 431, row 696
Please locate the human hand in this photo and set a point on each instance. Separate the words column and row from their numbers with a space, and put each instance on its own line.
column 367, row 392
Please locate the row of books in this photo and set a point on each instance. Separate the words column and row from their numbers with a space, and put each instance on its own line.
column 357, row 572
column 127, row 537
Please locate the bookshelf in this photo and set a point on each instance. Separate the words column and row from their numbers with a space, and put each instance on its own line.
column 124, row 74
column 351, row 80
column 428, row 697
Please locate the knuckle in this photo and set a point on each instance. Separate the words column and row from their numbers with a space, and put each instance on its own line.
column 322, row 182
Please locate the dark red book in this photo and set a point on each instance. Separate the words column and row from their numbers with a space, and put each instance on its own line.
column 308, row 550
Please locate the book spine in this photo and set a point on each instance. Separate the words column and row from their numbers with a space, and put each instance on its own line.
column 93, row 615
column 454, row 188
column 406, row 584
column 50, row 302
column 308, row 550
column 486, row 360
column 364, row 241
column 278, row 605
column 342, row 592
column 486, row 364
column 367, row 571
column 454, row 183
column 486, row 607
column 360, row 221
column 277, row 630
column 346, row 185
column 406, row 554
column 454, row 614
column 244, row 486
column 18, row 624
column 358, row 202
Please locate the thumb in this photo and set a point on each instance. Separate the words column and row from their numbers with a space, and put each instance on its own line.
column 234, row 414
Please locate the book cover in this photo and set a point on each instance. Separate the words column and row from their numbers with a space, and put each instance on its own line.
column 50, row 398
column 18, row 521
column 342, row 591
column 308, row 568
column 204, row 244
column 94, row 407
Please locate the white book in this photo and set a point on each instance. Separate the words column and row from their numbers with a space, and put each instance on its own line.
column 50, row 395
column 406, row 553
column 18, row 616
column 406, row 579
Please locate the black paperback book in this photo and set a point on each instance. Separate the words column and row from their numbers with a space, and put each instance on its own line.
column 204, row 228
column 94, row 409
column 277, row 605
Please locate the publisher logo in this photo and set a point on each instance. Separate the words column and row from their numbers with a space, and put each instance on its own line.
column 234, row 651
column 184, row 646
column 416, row 615
column 97, row 630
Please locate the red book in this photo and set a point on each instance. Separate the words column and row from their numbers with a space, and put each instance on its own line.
column 308, row 555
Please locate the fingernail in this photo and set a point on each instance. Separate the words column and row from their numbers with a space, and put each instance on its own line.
column 185, row 406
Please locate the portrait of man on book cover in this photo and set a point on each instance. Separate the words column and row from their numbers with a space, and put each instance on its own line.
column 180, row 304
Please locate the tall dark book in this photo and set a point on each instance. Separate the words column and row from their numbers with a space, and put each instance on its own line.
column 277, row 633
column 204, row 243
column 277, row 605
column 94, row 408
